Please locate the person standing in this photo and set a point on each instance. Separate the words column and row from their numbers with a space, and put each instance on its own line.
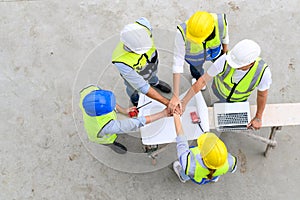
column 136, row 58
column 203, row 37
column 235, row 77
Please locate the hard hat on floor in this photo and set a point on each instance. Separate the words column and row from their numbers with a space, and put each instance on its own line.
column 243, row 53
column 199, row 26
column 213, row 151
column 99, row 102
column 136, row 38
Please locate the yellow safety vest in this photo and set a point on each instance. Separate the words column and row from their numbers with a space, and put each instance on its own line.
column 238, row 92
column 197, row 172
column 144, row 64
column 93, row 125
column 198, row 53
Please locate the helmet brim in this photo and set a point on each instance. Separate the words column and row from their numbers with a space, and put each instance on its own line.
column 231, row 62
column 197, row 40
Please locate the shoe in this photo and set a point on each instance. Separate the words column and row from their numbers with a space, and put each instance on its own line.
column 204, row 88
column 163, row 86
column 150, row 148
column 118, row 147
column 177, row 168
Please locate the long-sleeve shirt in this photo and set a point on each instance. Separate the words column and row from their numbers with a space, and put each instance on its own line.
column 135, row 80
column 123, row 126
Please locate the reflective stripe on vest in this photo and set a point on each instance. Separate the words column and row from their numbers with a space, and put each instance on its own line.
column 145, row 64
column 194, row 53
column 93, row 125
column 237, row 92
column 195, row 168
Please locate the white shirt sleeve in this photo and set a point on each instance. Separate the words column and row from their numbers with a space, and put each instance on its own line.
column 225, row 38
column 266, row 80
column 179, row 53
column 217, row 66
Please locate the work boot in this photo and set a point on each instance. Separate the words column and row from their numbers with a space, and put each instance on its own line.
column 150, row 148
column 118, row 147
column 163, row 86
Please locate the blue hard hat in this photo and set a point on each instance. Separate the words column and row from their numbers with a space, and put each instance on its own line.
column 99, row 102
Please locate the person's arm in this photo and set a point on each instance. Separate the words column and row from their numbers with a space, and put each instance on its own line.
column 178, row 125
column 212, row 71
column 225, row 38
column 138, row 82
column 178, row 62
column 224, row 48
column 156, row 116
column 125, row 111
column 175, row 100
column 196, row 87
column 152, row 93
column 182, row 144
column 261, row 101
column 131, row 124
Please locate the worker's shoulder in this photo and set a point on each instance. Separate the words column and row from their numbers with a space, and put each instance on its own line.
column 143, row 21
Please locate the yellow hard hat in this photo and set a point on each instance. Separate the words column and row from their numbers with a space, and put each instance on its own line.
column 199, row 26
column 213, row 151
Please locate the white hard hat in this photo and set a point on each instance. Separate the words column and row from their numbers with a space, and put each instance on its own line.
column 243, row 53
column 136, row 38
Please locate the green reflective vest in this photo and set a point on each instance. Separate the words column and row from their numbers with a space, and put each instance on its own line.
column 196, row 171
column 93, row 125
column 198, row 53
column 144, row 64
column 238, row 92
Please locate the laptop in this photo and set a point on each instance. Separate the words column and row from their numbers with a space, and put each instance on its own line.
column 231, row 116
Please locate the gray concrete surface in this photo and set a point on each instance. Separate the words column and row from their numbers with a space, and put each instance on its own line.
column 48, row 50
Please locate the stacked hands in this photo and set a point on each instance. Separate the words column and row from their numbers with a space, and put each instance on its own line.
column 177, row 106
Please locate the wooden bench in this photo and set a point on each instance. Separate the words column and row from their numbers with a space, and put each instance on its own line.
column 275, row 116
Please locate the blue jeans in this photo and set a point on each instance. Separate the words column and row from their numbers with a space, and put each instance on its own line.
column 197, row 71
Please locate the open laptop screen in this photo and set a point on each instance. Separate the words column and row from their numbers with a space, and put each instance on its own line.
column 231, row 116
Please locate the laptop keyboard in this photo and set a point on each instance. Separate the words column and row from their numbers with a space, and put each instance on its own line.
column 232, row 118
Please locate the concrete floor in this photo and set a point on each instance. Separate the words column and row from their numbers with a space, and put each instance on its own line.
column 49, row 50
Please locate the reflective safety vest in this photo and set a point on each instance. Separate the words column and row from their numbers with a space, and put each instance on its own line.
column 238, row 92
column 196, row 170
column 196, row 54
column 144, row 64
column 93, row 125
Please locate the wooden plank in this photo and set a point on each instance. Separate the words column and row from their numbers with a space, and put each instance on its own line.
column 283, row 114
column 286, row 114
